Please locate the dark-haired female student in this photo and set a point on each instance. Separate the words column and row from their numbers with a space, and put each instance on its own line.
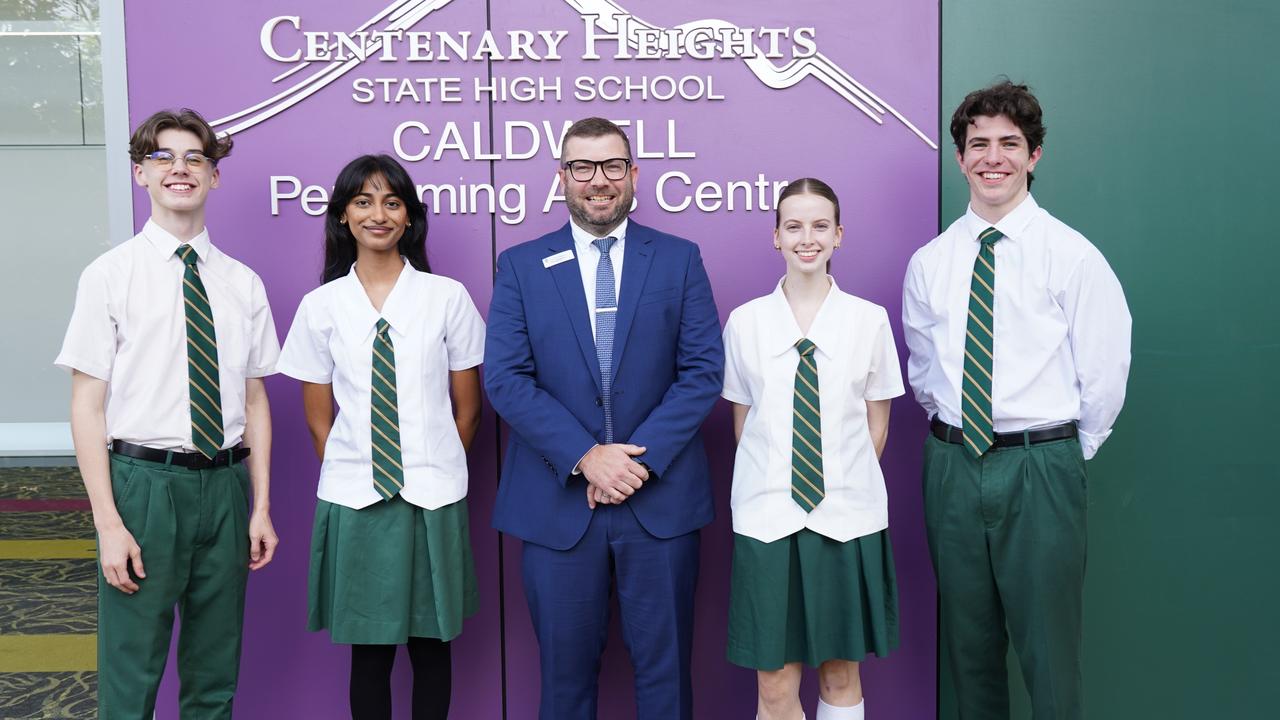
column 811, row 371
column 398, row 349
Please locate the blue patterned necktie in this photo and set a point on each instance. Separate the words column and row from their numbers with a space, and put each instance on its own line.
column 606, row 320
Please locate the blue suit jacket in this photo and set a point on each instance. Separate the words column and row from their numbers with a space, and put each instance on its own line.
column 542, row 376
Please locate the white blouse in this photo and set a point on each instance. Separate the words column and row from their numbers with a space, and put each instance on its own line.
column 857, row 362
column 434, row 329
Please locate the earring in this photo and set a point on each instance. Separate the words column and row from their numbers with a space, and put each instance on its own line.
column 777, row 247
column 342, row 221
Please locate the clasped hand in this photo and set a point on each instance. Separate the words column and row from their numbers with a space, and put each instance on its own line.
column 612, row 474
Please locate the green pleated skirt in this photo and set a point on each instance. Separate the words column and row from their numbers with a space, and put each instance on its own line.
column 807, row 598
column 389, row 571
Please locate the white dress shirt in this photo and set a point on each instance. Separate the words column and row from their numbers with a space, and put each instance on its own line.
column 857, row 362
column 129, row 328
column 588, row 256
column 434, row 329
column 1061, row 349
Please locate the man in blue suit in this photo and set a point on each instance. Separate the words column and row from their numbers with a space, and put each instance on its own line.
column 604, row 356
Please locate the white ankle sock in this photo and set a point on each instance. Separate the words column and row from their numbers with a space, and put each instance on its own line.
column 831, row 712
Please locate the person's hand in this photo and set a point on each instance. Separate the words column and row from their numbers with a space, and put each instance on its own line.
column 611, row 470
column 117, row 551
column 262, row 539
column 596, row 496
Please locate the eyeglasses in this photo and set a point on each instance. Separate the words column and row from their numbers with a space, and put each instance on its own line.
column 585, row 170
column 165, row 159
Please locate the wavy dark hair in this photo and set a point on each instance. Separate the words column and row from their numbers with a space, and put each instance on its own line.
column 1007, row 98
column 340, row 244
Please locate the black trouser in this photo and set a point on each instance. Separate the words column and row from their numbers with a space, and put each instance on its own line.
column 371, row 679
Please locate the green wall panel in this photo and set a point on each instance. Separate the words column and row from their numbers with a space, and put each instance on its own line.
column 1161, row 150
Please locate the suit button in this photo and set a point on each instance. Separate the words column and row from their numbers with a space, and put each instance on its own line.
column 599, row 401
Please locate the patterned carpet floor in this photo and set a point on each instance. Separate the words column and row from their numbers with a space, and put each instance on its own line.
column 48, row 596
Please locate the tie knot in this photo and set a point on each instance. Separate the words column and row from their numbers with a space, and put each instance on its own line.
column 187, row 254
column 989, row 236
column 806, row 347
column 604, row 244
column 382, row 327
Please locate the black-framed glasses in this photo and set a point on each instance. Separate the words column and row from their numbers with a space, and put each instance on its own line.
column 585, row 170
column 165, row 159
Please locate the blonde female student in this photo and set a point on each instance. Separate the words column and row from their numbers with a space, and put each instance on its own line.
column 397, row 349
column 810, row 371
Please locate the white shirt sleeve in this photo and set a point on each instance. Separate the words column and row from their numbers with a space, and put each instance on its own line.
column 884, row 379
column 90, row 343
column 735, row 381
column 265, row 348
column 306, row 354
column 464, row 331
column 1100, row 329
column 915, row 331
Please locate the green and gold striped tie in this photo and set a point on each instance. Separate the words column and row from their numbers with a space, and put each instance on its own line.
column 202, row 358
column 806, row 434
column 388, row 470
column 979, row 344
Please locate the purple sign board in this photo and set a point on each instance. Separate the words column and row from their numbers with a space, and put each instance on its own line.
column 724, row 103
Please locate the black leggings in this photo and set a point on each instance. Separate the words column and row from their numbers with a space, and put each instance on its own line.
column 371, row 679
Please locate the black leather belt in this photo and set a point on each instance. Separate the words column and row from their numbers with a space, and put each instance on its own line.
column 952, row 434
column 194, row 461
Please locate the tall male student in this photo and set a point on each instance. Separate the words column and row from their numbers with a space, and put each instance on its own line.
column 1019, row 339
column 167, row 347
column 604, row 356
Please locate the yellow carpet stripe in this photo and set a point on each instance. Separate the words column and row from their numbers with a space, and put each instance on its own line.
column 48, row 653
column 47, row 549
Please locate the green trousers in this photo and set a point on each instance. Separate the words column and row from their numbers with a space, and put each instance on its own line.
column 1007, row 536
column 193, row 528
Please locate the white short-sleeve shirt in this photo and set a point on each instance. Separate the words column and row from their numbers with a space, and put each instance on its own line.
column 857, row 361
column 434, row 329
column 129, row 329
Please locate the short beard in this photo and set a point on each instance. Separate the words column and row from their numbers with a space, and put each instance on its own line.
column 578, row 212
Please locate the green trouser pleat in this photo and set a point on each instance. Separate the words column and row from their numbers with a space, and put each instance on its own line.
column 1007, row 536
column 193, row 528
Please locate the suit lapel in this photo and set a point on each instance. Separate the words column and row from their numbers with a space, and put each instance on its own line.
column 568, row 279
column 637, row 257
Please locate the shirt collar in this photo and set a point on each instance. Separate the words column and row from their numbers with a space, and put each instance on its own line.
column 397, row 309
column 821, row 333
column 583, row 239
column 166, row 244
column 1011, row 226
